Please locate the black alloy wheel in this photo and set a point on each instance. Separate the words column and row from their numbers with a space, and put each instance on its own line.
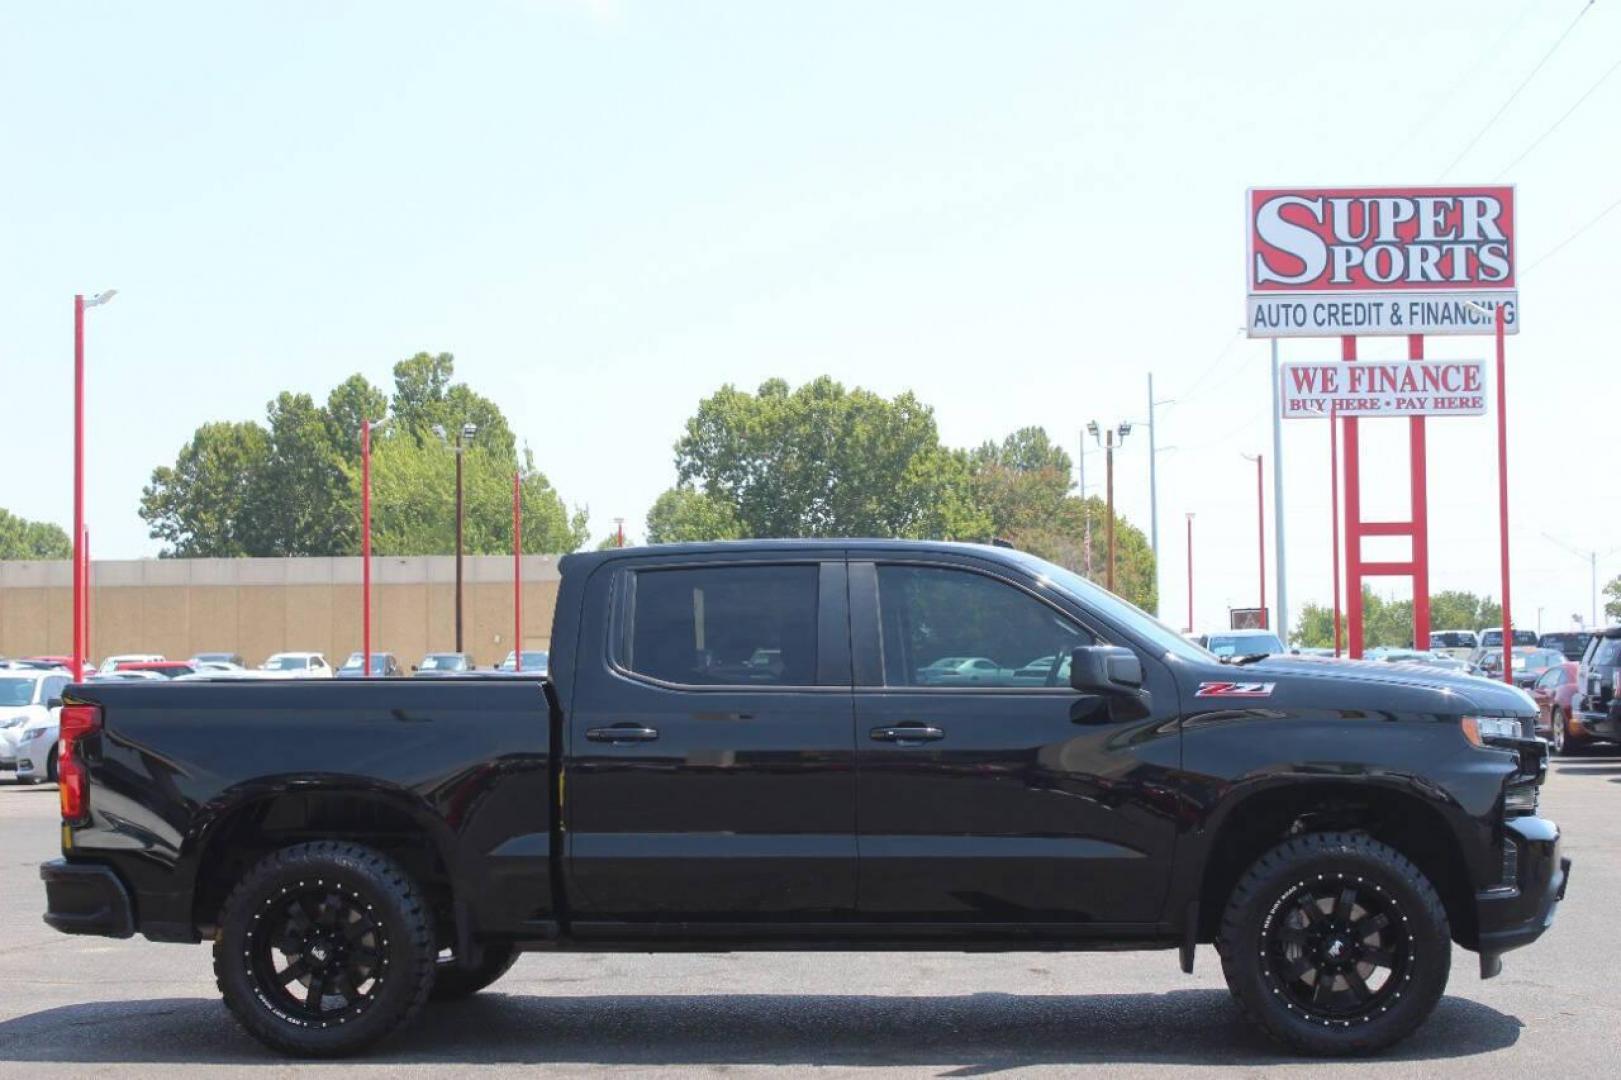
column 1337, row 949
column 317, row 952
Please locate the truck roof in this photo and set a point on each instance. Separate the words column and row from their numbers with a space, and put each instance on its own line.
column 589, row 559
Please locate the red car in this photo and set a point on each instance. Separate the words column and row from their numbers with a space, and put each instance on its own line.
column 1553, row 691
column 167, row 668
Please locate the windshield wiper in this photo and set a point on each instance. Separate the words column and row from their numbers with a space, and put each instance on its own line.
column 1247, row 658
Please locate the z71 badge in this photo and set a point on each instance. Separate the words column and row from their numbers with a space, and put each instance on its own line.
column 1235, row 689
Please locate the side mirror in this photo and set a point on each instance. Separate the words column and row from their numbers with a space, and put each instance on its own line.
column 54, row 703
column 1105, row 669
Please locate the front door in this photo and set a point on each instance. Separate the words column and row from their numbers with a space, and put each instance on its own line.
column 711, row 767
column 991, row 792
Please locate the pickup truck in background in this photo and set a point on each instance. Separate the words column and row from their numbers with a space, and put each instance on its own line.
column 751, row 746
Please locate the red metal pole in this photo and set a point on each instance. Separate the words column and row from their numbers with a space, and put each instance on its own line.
column 1190, row 573
column 78, row 488
column 1419, row 500
column 1502, row 495
column 88, row 654
column 517, row 571
column 365, row 544
column 1260, row 533
column 1353, row 519
column 1334, row 503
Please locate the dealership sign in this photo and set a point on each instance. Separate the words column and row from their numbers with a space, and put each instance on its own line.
column 1327, row 262
column 1375, row 388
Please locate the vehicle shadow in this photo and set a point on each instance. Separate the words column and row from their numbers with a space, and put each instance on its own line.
column 965, row 1035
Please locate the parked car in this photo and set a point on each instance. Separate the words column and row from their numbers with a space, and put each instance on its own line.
column 110, row 665
column 1598, row 696
column 1491, row 662
column 1236, row 643
column 1428, row 658
column 444, row 663
column 294, row 665
column 383, row 665
column 1491, row 641
column 1455, row 643
column 169, row 669
column 1573, row 643
column 29, row 702
column 963, row 671
column 1555, row 692
column 45, row 663
column 535, row 662
column 1308, row 818
column 229, row 659
column 1536, row 662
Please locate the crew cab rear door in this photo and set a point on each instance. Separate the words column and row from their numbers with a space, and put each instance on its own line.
column 994, row 793
column 711, row 760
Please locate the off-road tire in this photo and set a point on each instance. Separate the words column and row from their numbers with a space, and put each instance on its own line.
column 1328, row 860
column 454, row 982
column 364, row 877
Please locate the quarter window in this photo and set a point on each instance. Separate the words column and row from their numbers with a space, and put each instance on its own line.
column 724, row 626
column 956, row 628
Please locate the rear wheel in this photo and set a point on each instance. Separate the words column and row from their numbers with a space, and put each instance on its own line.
column 1335, row 944
column 324, row 948
column 454, row 981
column 1556, row 721
column 50, row 766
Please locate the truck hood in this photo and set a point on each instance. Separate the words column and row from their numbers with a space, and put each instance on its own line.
column 1380, row 684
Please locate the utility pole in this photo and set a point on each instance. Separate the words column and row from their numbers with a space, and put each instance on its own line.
column 464, row 435
column 1190, row 571
column 1277, row 501
column 81, row 563
column 1153, row 483
column 1260, row 529
column 1591, row 558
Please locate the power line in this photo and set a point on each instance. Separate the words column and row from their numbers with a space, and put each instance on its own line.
column 1602, row 214
column 1555, row 125
column 1501, row 109
column 1213, row 365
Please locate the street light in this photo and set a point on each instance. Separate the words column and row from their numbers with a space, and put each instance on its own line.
column 1190, row 571
column 1107, row 440
column 1499, row 317
column 366, row 428
column 464, row 435
column 81, row 570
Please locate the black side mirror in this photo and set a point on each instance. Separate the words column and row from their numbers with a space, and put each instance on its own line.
column 1105, row 669
column 54, row 703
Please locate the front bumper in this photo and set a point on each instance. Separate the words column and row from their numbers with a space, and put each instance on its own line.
column 1514, row 915
column 86, row 898
column 1597, row 720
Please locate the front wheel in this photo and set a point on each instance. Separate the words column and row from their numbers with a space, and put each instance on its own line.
column 1335, row 944
column 1557, row 723
column 324, row 948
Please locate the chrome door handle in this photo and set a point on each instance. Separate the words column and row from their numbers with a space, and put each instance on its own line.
column 622, row 733
column 907, row 733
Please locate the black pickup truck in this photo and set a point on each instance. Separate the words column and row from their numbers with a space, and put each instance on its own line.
column 817, row 745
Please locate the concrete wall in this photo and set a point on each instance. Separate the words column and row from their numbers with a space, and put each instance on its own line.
column 178, row 607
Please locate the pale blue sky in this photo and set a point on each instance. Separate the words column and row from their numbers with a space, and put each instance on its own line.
column 608, row 209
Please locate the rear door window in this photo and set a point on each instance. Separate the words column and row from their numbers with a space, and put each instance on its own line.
column 723, row 626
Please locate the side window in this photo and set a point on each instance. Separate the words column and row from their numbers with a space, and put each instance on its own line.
column 1545, row 681
column 724, row 626
column 957, row 628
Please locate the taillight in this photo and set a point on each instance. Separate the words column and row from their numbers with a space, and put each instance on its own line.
column 71, row 782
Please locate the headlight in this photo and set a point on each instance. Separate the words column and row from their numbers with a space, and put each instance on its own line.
column 1480, row 729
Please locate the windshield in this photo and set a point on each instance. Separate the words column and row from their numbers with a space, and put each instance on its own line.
column 1112, row 607
column 442, row 662
column 16, row 692
column 1244, row 644
column 289, row 663
column 533, row 660
column 1452, row 639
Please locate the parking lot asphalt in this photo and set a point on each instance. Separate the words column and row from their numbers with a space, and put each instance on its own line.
column 75, row 1006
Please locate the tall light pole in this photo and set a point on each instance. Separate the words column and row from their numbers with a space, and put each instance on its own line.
column 1260, row 528
column 1500, row 326
column 1277, row 500
column 81, row 571
column 1106, row 439
column 366, row 428
column 517, row 570
column 1153, row 483
column 464, row 435
column 1190, row 571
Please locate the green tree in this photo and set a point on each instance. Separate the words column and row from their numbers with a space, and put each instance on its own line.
column 1314, row 627
column 1456, row 610
column 200, row 505
column 826, row 461
column 684, row 514
column 1612, row 599
column 1063, row 539
column 24, row 539
column 1021, row 481
column 292, row 486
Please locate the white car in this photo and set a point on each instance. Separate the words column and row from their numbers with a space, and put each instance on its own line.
column 110, row 665
column 30, row 702
column 294, row 665
column 1227, row 643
